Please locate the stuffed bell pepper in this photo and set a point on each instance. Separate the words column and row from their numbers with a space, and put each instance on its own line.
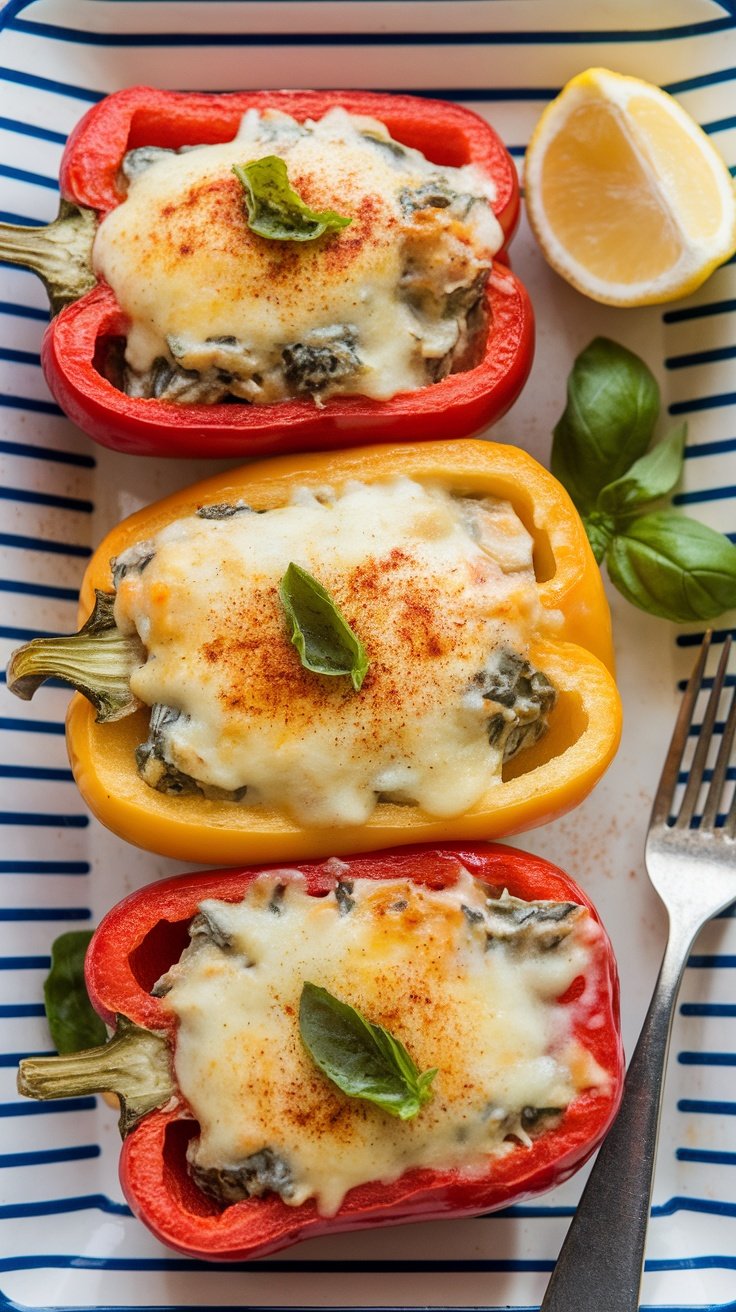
column 359, row 650
column 260, row 272
column 385, row 1038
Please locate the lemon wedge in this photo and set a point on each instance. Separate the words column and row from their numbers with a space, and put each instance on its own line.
column 627, row 197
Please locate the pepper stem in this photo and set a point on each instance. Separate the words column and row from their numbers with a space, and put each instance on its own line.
column 59, row 252
column 98, row 661
column 135, row 1064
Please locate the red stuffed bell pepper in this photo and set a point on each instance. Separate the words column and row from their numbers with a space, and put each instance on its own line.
column 283, row 395
column 243, row 1135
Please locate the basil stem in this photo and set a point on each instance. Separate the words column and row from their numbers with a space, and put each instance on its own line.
column 72, row 1020
column 275, row 210
column 135, row 1064
column 320, row 632
column 60, row 253
column 362, row 1059
column 98, row 661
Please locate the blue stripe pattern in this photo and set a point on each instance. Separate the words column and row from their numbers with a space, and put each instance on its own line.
column 702, row 403
column 32, row 726
column 19, row 357
column 44, row 867
column 43, row 819
column 53, row 499
column 49, row 590
column 22, row 543
column 451, row 37
column 725, row 447
column 712, row 961
column 47, row 453
column 707, row 1058
column 44, row 913
column 50, row 1156
column 24, row 175
column 24, row 311
column 33, row 80
column 11, row 1110
column 25, row 963
column 699, row 311
column 724, row 1009
column 706, row 1107
column 23, row 635
column 710, row 1157
column 32, row 130
column 36, row 772
column 27, row 402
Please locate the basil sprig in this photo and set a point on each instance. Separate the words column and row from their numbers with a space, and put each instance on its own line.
column 612, row 407
column 275, row 210
column 72, row 1020
column 362, row 1059
column 320, row 633
column 662, row 562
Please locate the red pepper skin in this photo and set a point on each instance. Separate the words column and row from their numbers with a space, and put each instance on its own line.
column 143, row 934
column 459, row 405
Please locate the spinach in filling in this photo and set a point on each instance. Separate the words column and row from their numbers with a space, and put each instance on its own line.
column 524, row 697
column 223, row 368
column 328, row 359
column 525, row 929
column 262, row 1173
column 131, row 562
column 158, row 771
column 325, row 357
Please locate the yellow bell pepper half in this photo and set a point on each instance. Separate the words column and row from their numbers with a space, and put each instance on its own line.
column 542, row 782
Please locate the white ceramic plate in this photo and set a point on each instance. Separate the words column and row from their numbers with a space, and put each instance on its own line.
column 68, row 1239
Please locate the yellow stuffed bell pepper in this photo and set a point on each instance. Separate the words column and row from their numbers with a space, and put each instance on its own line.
column 339, row 652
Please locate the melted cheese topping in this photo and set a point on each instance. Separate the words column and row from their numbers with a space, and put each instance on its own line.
column 435, row 586
column 415, row 960
column 186, row 268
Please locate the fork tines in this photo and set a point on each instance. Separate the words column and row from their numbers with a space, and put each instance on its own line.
column 664, row 798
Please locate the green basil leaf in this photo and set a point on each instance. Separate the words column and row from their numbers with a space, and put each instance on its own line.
column 653, row 476
column 320, row 633
column 674, row 567
column 600, row 529
column 362, row 1059
column 607, row 424
column 275, row 210
column 73, row 1021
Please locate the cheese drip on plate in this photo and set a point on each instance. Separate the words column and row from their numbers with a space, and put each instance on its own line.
column 390, row 303
column 440, row 590
column 466, row 981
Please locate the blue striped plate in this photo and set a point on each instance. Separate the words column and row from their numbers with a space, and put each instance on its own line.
column 68, row 1239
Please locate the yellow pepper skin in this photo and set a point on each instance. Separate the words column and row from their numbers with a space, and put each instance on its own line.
column 542, row 782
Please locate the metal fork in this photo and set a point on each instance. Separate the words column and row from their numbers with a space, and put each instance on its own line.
column 693, row 868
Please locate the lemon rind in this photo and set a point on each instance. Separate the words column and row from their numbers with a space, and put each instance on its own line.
column 699, row 259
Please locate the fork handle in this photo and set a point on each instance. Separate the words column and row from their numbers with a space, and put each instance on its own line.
column 601, row 1260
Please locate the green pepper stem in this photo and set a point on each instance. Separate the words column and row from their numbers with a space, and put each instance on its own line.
column 98, row 661
column 60, row 253
column 135, row 1064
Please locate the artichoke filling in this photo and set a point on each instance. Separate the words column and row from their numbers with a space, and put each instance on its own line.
column 439, row 588
column 466, row 977
column 217, row 312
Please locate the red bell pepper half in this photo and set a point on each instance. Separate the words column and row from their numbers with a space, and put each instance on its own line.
column 76, row 339
column 144, row 934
